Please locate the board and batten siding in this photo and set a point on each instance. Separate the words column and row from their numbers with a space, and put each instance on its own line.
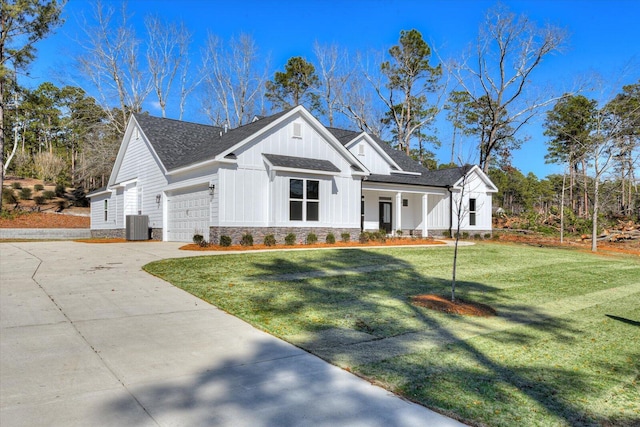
column 369, row 157
column 250, row 197
column 140, row 164
column 476, row 189
column 438, row 211
column 243, row 197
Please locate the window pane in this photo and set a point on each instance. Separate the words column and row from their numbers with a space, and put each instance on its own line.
column 472, row 218
column 312, row 211
column 312, row 189
column 295, row 188
column 295, row 211
column 472, row 205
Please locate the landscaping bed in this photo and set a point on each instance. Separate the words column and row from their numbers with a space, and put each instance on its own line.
column 561, row 349
column 388, row 242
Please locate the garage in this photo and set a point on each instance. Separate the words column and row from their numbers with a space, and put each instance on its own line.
column 188, row 214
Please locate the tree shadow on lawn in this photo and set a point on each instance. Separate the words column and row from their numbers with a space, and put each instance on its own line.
column 377, row 325
column 370, row 309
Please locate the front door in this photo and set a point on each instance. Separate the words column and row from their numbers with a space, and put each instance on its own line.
column 385, row 216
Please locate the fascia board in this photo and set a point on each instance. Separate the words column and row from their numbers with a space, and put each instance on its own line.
column 262, row 131
column 375, row 146
column 402, row 188
column 124, row 145
column 485, row 179
column 401, row 172
column 201, row 165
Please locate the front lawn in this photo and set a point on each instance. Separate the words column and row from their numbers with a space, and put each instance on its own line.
column 563, row 350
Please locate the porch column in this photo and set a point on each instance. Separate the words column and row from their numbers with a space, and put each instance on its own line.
column 425, row 209
column 398, row 211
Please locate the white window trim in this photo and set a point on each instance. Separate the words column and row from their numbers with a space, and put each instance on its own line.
column 304, row 200
column 473, row 213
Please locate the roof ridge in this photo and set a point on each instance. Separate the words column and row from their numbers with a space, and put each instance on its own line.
column 174, row 120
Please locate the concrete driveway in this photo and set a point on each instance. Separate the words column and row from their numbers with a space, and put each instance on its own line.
column 89, row 339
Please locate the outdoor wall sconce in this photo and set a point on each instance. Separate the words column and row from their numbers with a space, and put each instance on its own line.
column 212, row 189
column 158, row 198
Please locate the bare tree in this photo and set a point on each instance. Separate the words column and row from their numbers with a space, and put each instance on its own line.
column 234, row 80
column 358, row 102
column 461, row 211
column 498, row 76
column 333, row 71
column 167, row 57
column 111, row 62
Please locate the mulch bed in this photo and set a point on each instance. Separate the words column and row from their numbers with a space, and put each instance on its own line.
column 465, row 308
column 45, row 220
column 389, row 242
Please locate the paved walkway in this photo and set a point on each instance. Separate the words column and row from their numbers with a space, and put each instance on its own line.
column 89, row 339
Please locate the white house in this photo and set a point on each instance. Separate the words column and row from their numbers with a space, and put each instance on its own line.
column 286, row 173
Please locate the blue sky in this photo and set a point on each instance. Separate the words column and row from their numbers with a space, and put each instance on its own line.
column 604, row 38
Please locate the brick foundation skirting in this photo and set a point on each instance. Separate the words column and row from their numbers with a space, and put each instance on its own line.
column 120, row 233
column 279, row 233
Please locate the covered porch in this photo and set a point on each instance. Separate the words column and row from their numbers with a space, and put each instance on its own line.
column 404, row 209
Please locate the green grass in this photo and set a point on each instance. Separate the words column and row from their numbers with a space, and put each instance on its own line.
column 563, row 350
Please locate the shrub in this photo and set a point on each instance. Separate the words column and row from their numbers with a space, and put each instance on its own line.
column 446, row 233
column 246, row 240
column 399, row 233
column 16, row 185
column 60, row 190
column 269, row 240
column 345, row 237
column 8, row 196
column 477, row 236
column 290, row 239
column 225, row 241
column 203, row 243
column 25, row 193
column 198, row 238
column 39, row 200
column 465, row 235
column 48, row 166
column 80, row 198
column 331, row 239
column 312, row 238
column 38, row 187
column 487, row 235
column 48, row 194
column 373, row 236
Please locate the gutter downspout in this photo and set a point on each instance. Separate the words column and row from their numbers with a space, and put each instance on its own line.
column 450, row 211
column 362, row 207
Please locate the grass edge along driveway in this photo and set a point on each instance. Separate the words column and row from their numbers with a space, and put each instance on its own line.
column 563, row 349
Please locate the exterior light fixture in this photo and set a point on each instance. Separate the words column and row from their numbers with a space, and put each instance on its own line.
column 158, row 198
column 212, row 189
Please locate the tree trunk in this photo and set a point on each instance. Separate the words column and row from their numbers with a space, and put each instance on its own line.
column 564, row 179
column 1, row 137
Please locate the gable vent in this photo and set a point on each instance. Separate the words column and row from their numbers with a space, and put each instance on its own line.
column 297, row 130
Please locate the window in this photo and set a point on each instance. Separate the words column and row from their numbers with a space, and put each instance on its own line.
column 472, row 211
column 360, row 149
column 106, row 210
column 304, row 200
column 405, row 202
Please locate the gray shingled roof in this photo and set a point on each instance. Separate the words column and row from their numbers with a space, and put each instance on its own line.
column 181, row 144
column 432, row 178
column 301, row 163
column 435, row 178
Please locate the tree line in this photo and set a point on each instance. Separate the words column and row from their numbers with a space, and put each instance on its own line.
column 486, row 95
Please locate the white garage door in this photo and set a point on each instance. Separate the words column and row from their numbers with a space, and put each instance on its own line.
column 188, row 214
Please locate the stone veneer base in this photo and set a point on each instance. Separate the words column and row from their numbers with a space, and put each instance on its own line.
column 279, row 233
